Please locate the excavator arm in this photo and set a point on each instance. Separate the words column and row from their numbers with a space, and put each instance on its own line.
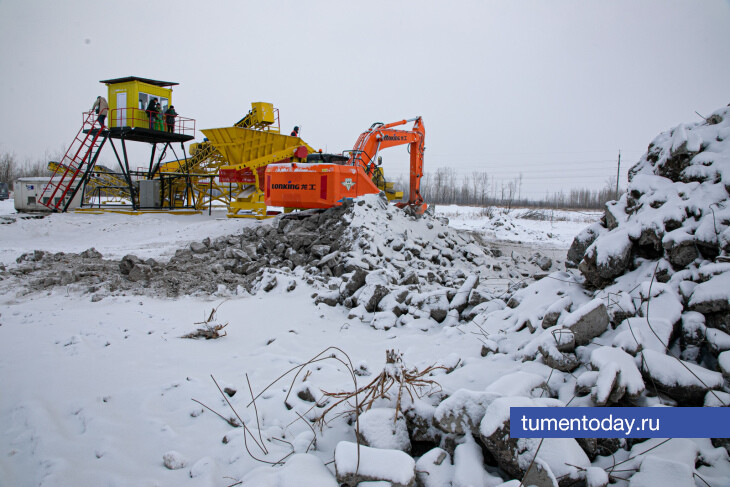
column 381, row 136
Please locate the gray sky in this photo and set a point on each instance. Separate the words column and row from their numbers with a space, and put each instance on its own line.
column 553, row 89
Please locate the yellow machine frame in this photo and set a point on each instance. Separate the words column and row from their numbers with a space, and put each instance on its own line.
column 249, row 150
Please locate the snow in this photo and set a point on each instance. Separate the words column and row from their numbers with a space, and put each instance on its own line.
column 563, row 455
column 300, row 470
column 658, row 472
column 715, row 399
column 174, row 460
column 114, row 235
column 468, row 470
column 556, row 228
column 379, row 427
column 718, row 339
column 724, row 361
column 517, row 384
column 105, row 391
column 625, row 367
column 434, row 468
column 636, row 334
column 678, row 450
column 672, row 371
column 716, row 289
column 596, row 477
column 391, row 465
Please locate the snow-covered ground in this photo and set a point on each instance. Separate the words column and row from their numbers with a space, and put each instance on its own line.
column 544, row 228
column 96, row 393
column 114, row 235
column 99, row 387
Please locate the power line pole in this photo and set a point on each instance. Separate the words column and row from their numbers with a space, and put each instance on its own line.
column 618, row 172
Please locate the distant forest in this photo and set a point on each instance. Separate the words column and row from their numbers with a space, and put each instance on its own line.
column 445, row 187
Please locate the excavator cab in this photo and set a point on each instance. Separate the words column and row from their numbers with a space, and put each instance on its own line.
column 319, row 157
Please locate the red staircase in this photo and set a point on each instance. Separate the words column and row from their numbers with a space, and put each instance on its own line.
column 77, row 159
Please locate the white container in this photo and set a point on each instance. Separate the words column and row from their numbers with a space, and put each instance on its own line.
column 27, row 194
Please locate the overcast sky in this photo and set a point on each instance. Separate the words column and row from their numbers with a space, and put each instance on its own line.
column 550, row 89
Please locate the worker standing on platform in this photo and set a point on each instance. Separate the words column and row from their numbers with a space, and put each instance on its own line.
column 170, row 115
column 295, row 132
column 101, row 108
column 153, row 110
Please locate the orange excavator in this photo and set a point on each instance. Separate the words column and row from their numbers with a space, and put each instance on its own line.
column 327, row 180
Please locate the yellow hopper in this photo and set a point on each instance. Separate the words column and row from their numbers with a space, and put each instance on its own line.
column 248, row 152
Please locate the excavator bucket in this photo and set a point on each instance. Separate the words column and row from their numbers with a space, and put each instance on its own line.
column 416, row 209
column 315, row 185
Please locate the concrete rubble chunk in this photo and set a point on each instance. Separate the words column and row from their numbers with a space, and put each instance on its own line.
column 514, row 455
column 461, row 299
column 370, row 295
column 435, row 468
column 128, row 262
column 140, row 272
column 680, row 252
column 587, row 322
column 198, row 247
column 606, row 259
column 685, row 382
column 581, row 242
column 554, row 358
column 355, row 282
column 384, row 428
column 540, row 475
column 331, row 298
column 375, row 464
column 462, row 412
column 91, row 253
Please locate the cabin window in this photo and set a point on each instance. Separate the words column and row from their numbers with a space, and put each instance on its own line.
column 145, row 98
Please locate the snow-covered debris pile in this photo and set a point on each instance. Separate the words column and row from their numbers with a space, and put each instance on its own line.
column 675, row 210
column 645, row 323
column 660, row 257
column 376, row 259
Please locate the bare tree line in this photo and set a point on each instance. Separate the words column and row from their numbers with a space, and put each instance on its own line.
column 446, row 187
column 11, row 169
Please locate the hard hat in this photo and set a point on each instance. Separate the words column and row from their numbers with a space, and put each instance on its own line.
column 296, row 128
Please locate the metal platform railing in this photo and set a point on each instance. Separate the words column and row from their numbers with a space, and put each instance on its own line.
column 137, row 118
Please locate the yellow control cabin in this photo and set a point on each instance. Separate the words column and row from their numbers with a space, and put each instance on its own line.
column 131, row 113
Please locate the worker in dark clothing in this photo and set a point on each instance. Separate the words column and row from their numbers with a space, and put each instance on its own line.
column 295, row 132
column 101, row 108
column 153, row 110
column 170, row 115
